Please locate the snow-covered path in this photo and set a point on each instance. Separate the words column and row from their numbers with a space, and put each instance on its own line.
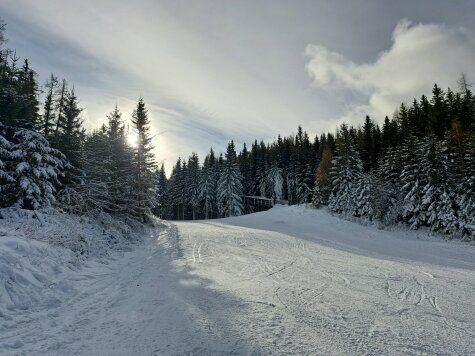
column 290, row 280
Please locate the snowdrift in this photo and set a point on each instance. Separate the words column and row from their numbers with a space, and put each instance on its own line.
column 41, row 253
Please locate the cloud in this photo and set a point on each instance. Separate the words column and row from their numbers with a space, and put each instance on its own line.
column 420, row 55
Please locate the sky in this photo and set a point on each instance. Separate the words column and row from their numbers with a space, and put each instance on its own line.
column 212, row 71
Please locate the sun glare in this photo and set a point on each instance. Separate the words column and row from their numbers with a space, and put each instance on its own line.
column 132, row 139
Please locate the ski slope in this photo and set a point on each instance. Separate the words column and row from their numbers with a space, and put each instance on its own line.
column 290, row 280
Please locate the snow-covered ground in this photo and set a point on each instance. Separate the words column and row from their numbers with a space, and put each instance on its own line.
column 289, row 280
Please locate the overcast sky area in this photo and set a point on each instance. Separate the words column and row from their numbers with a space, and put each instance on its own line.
column 211, row 71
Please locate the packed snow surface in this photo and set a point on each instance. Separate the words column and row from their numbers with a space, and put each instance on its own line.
column 290, row 280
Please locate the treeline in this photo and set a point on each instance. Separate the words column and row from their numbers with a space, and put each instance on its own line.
column 417, row 169
column 48, row 159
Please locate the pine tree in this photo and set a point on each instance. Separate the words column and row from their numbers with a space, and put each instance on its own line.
column 49, row 115
column 61, row 96
column 461, row 176
column 70, row 133
column 245, row 168
column 322, row 187
column 386, row 188
column 230, row 185
column 191, row 184
column 437, row 205
column 364, row 198
column 35, row 168
column 96, row 162
column 275, row 181
column 467, row 105
column 160, row 190
column 175, row 192
column 346, row 172
column 144, row 162
column 121, row 164
column 413, row 179
column 367, row 150
column 6, row 178
column 208, row 185
column 262, row 181
column 438, row 113
column 27, row 96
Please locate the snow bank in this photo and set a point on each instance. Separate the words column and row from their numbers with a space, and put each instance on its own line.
column 41, row 253
column 93, row 235
column 32, row 273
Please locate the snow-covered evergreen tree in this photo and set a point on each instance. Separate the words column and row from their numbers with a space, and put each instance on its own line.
column 49, row 114
column 70, row 132
column 364, row 201
column 437, row 204
column 144, row 163
column 176, row 188
column 95, row 189
column 192, row 184
column 346, row 172
column 292, row 185
column 275, row 181
column 387, row 200
column 161, row 186
column 322, row 186
column 208, row 185
column 466, row 201
column 303, row 184
column 5, row 156
column 413, row 179
column 121, row 164
column 35, row 168
column 262, row 187
column 230, row 185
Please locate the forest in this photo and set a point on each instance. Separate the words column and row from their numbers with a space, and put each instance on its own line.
column 417, row 168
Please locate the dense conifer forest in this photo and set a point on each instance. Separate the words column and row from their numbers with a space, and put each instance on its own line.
column 417, row 168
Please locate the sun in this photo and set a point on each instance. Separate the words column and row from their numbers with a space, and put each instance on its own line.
column 132, row 139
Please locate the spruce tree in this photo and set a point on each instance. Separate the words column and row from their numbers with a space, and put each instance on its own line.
column 438, row 113
column 437, row 203
column 161, row 192
column 346, row 172
column 35, row 168
column 191, row 184
column 121, row 164
column 49, row 114
column 230, row 185
column 275, row 181
column 322, row 187
column 144, row 161
column 413, row 179
column 208, row 186
column 70, row 131
column 96, row 164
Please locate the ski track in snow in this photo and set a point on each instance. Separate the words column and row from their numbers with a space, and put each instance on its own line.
column 311, row 284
